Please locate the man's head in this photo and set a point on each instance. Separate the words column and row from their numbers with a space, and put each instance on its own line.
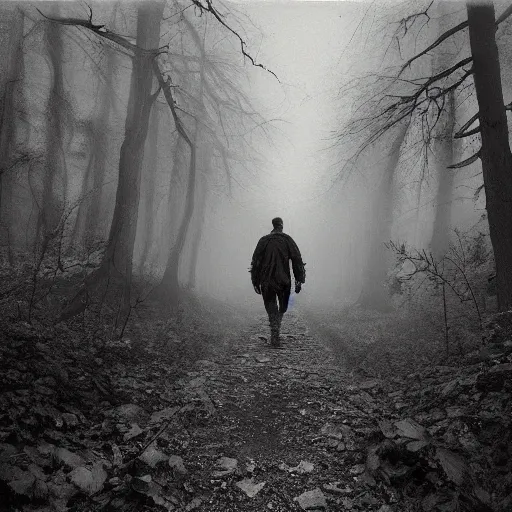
column 277, row 222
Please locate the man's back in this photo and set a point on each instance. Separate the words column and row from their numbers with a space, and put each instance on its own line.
column 271, row 261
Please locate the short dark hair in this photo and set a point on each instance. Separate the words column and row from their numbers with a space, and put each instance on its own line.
column 277, row 221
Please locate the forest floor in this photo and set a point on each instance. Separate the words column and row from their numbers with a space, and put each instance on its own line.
column 207, row 417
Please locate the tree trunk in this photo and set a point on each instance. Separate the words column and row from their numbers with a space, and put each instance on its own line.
column 150, row 170
column 89, row 213
column 443, row 147
column 373, row 294
column 118, row 256
column 54, row 172
column 170, row 280
column 201, row 207
column 443, row 154
column 119, row 252
column 495, row 152
column 10, row 82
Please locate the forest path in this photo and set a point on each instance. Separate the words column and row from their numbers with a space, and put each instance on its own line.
column 131, row 426
column 293, row 419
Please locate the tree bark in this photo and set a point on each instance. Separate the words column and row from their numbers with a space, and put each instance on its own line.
column 10, row 82
column 443, row 154
column 170, row 280
column 89, row 214
column 119, row 252
column 150, row 169
column 200, row 212
column 118, row 256
column 495, row 153
column 54, row 171
column 373, row 294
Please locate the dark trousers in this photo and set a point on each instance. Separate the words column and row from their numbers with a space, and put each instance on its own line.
column 276, row 303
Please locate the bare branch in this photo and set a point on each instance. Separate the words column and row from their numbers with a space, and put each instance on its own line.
column 465, row 126
column 463, row 133
column 437, row 42
column 165, row 85
column 504, row 15
column 443, row 37
column 101, row 31
column 209, row 8
column 466, row 162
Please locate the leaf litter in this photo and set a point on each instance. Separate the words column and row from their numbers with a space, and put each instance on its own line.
column 246, row 429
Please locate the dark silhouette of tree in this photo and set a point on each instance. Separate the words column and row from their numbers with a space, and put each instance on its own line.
column 148, row 193
column 54, row 179
column 118, row 256
column 10, row 81
column 87, row 223
column 495, row 152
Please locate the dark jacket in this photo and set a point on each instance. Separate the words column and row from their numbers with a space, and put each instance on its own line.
column 271, row 261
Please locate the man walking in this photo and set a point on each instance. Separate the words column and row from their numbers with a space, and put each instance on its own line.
column 270, row 274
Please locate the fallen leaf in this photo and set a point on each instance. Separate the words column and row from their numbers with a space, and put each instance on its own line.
column 453, row 465
column 134, row 431
column 89, row 480
column 176, row 463
column 312, row 500
column 249, row 487
column 411, row 429
column 152, row 457
column 68, row 458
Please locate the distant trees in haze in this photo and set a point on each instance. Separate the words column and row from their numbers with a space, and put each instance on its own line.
column 431, row 89
column 186, row 120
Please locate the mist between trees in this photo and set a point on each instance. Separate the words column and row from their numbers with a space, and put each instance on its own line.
column 127, row 128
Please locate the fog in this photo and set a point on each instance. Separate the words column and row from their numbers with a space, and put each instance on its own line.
column 299, row 43
column 294, row 156
column 315, row 48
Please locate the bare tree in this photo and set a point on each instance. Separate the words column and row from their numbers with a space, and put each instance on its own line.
column 54, row 177
column 150, row 171
column 118, row 255
column 443, row 149
column 11, row 77
column 373, row 293
column 202, row 196
column 405, row 94
column 495, row 152
column 444, row 156
column 89, row 212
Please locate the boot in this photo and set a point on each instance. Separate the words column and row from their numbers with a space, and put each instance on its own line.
column 274, row 332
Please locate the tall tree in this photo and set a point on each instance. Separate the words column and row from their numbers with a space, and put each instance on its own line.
column 405, row 94
column 150, row 171
column 443, row 150
column 374, row 294
column 119, row 253
column 54, row 179
column 202, row 196
column 89, row 212
column 443, row 157
column 10, row 81
column 495, row 153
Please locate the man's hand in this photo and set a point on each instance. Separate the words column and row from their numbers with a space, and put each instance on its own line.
column 298, row 287
column 257, row 289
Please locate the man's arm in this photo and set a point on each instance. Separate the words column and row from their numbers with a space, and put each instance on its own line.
column 299, row 270
column 256, row 263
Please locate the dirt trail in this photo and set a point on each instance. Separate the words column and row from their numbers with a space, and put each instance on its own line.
column 276, row 408
column 245, row 428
